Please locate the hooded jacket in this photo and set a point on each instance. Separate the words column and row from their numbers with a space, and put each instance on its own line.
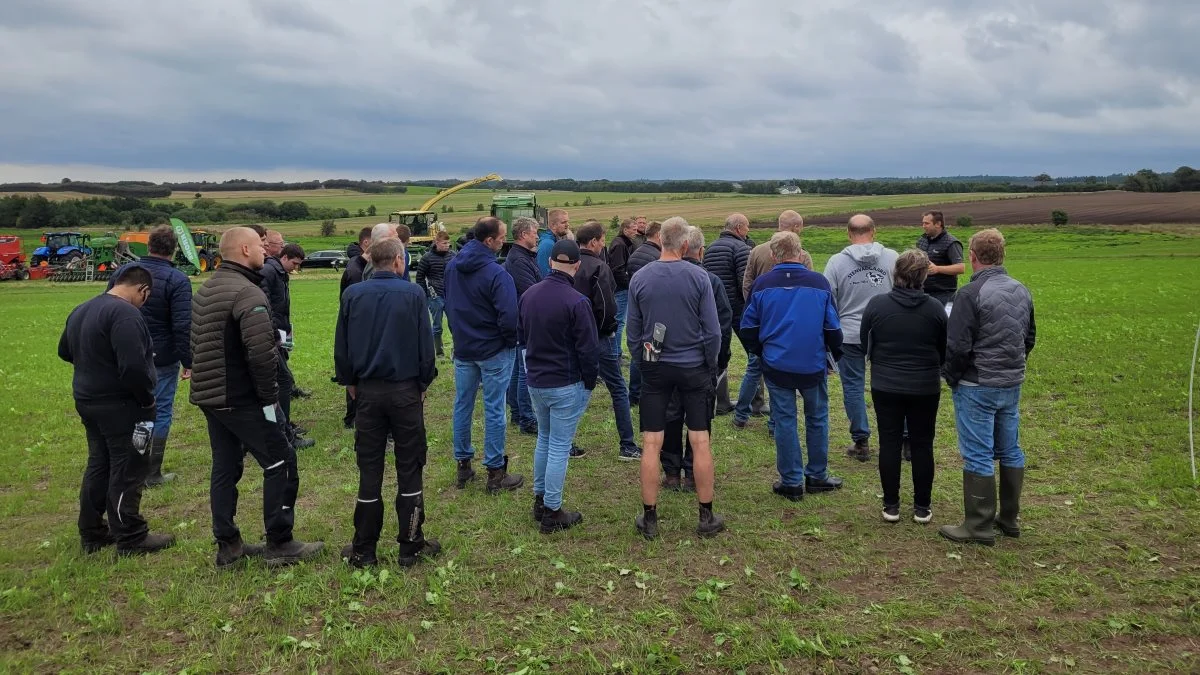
column 857, row 274
column 991, row 331
column 903, row 334
column 546, row 241
column 595, row 281
column 233, row 343
column 618, row 260
column 168, row 311
column 790, row 321
column 481, row 304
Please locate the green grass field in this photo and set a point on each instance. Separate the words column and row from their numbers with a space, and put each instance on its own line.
column 1105, row 578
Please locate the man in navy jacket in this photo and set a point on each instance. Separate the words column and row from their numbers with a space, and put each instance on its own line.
column 521, row 265
column 481, row 306
column 168, row 315
column 791, row 323
column 383, row 355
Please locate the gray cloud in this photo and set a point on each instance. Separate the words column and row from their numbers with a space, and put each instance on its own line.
column 617, row 88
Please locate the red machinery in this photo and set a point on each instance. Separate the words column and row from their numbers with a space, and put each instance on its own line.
column 12, row 261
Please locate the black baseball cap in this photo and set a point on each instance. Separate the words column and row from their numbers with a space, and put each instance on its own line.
column 565, row 251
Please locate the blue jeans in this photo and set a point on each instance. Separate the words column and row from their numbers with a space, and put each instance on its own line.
column 519, row 407
column 789, row 456
column 558, row 411
column 437, row 307
column 853, row 371
column 164, row 398
column 622, row 307
column 988, row 421
column 741, row 409
column 494, row 375
column 610, row 372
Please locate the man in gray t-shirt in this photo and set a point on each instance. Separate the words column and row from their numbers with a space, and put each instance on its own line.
column 678, row 295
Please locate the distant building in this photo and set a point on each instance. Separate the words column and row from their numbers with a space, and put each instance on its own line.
column 790, row 190
column 737, row 187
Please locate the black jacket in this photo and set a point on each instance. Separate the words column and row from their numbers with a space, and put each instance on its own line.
column 726, row 257
column 106, row 340
column 353, row 273
column 991, row 331
column 724, row 315
column 521, row 265
column 618, row 260
column 168, row 312
column 279, row 298
column 903, row 334
column 431, row 272
column 384, row 333
column 595, row 281
column 644, row 255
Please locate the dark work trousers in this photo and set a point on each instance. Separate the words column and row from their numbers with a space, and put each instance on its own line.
column 892, row 412
column 283, row 377
column 387, row 408
column 351, row 408
column 112, row 482
column 232, row 432
column 676, row 454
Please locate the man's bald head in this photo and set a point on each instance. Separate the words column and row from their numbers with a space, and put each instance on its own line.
column 243, row 246
column 861, row 229
column 790, row 221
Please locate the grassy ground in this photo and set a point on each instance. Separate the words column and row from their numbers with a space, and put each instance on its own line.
column 1104, row 580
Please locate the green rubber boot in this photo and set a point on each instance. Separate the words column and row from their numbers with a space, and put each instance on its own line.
column 1011, row 482
column 979, row 508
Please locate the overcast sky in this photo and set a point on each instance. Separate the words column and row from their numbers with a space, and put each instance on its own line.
column 621, row 89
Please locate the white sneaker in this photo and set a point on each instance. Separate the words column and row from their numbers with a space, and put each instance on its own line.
column 922, row 515
column 891, row 514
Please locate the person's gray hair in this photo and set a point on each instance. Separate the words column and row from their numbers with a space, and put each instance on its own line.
column 383, row 231
column 384, row 251
column 911, row 269
column 674, row 233
column 695, row 241
column 522, row 225
column 785, row 246
column 736, row 220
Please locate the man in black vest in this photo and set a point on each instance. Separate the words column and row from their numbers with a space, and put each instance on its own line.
column 945, row 257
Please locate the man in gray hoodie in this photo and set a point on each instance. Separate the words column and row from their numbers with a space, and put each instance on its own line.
column 860, row 272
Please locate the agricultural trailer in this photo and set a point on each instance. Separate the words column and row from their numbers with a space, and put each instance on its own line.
column 12, row 261
column 424, row 221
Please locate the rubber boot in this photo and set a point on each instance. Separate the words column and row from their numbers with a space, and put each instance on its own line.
column 1011, row 481
column 979, row 509
column 158, row 447
column 724, row 405
column 499, row 479
column 465, row 473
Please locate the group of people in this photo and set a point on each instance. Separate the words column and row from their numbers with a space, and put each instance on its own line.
column 536, row 333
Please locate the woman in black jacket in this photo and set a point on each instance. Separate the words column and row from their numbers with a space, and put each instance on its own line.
column 904, row 333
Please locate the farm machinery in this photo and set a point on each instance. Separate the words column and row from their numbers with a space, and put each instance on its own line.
column 424, row 222
column 61, row 248
column 12, row 261
column 96, row 258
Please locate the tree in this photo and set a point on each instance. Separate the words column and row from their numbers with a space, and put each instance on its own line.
column 371, row 210
column 1059, row 218
column 197, row 195
column 479, row 206
column 65, row 181
column 361, row 213
column 964, row 221
column 293, row 210
column 1187, row 178
column 328, row 228
column 614, row 223
column 1042, row 178
column 37, row 214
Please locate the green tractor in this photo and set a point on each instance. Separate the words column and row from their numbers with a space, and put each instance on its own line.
column 509, row 207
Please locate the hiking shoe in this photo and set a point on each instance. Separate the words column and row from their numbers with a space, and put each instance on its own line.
column 290, row 553
column 789, row 492
column 429, row 549
column 465, row 473
column 739, row 423
column 633, row 454
column 671, row 483
column 301, row 393
column 302, row 443
column 151, row 543
column 689, row 484
column 539, row 507
column 891, row 513
column 230, row 553
column 647, row 526
column 860, row 450
column 529, row 429
column 922, row 514
column 710, row 523
column 97, row 545
column 555, row 520
column 359, row 560
column 576, row 452
column 826, row 484
column 499, row 480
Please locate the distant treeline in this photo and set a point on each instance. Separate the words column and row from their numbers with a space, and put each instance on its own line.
column 148, row 190
column 1183, row 179
column 39, row 213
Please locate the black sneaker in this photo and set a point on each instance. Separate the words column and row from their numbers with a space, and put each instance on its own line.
column 891, row 513
column 290, row 553
column 827, row 484
column 151, row 543
column 790, row 492
column 922, row 514
column 302, row 443
column 359, row 560
column 633, row 454
column 428, row 550
column 556, row 520
column 577, row 451
column 97, row 545
column 647, row 526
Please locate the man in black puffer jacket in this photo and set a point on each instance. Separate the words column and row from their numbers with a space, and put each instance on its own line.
column 644, row 255
column 431, row 274
column 619, row 250
column 726, row 257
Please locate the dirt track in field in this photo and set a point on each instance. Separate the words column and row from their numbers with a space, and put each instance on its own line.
column 1099, row 208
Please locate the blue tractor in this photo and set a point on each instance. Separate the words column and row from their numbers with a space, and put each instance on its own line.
column 61, row 247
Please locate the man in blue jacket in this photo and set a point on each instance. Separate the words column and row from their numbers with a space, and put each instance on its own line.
column 558, row 223
column 521, row 265
column 562, row 355
column 383, row 354
column 481, row 306
column 168, row 315
column 791, row 323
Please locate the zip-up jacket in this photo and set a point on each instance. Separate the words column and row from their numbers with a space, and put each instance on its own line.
column 106, row 340
column 545, row 245
column 618, row 260
column 353, row 272
column 168, row 311
column 233, row 343
column 791, row 322
column 384, row 333
column 760, row 262
column 727, row 257
column 481, row 304
column 857, row 274
column 903, row 334
column 562, row 346
column 275, row 285
column 642, row 256
column 595, row 281
column 431, row 272
column 991, row 331
column 522, row 266
column 724, row 315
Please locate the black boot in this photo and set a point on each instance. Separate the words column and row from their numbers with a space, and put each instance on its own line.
column 1011, row 481
column 231, row 552
column 437, row 346
column 710, row 523
column 499, row 480
column 429, row 549
column 359, row 560
column 860, row 450
column 158, row 447
column 647, row 524
column 539, row 507
column 724, row 405
column 793, row 493
column 465, row 473
column 290, row 553
column 151, row 543
column 979, row 507
column 554, row 520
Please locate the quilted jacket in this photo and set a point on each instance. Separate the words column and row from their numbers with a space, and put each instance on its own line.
column 233, row 342
column 726, row 257
column 991, row 331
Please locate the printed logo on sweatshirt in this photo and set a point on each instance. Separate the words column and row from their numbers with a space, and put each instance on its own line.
column 868, row 275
